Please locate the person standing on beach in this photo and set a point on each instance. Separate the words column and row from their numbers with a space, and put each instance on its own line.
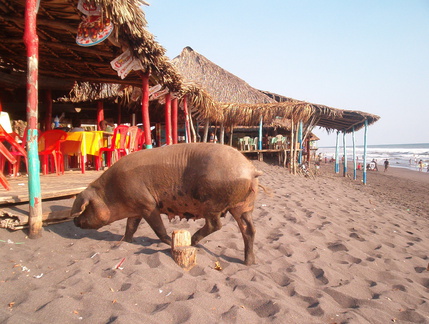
column 386, row 164
column 421, row 165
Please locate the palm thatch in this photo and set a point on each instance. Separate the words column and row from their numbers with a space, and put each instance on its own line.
column 223, row 86
column 59, row 55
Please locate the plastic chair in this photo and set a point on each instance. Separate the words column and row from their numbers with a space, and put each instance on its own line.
column 15, row 147
column 50, row 145
column 247, row 141
column 134, row 140
column 18, row 153
column 255, row 143
column 118, row 146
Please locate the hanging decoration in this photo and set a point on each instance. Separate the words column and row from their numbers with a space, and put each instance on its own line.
column 125, row 63
column 94, row 27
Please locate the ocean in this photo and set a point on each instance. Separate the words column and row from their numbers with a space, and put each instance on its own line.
column 399, row 155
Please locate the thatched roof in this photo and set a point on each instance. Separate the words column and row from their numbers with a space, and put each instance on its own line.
column 243, row 105
column 223, row 86
column 61, row 58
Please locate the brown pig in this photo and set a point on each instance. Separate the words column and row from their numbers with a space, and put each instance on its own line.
column 199, row 180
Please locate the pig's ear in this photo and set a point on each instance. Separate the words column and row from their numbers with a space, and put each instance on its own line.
column 82, row 208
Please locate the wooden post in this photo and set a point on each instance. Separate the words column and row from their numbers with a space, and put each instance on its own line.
column 48, row 114
column 187, row 124
column 206, row 130
column 260, row 134
column 337, row 153
column 31, row 41
column 145, row 110
column 183, row 253
column 231, row 134
column 364, row 152
column 345, row 154
column 158, row 131
column 292, row 147
column 168, row 137
column 300, row 142
column 222, row 134
column 354, row 154
column 100, row 113
column 174, row 112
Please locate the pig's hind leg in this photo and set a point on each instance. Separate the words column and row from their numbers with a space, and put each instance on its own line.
column 213, row 224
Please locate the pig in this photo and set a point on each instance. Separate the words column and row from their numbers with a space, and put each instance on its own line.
column 192, row 181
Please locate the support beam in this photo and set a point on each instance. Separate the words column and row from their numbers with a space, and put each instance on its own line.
column 337, row 153
column 354, row 154
column 364, row 152
column 145, row 110
column 168, row 137
column 187, row 117
column 300, row 142
column 344, row 155
column 100, row 113
column 31, row 41
column 260, row 134
column 174, row 115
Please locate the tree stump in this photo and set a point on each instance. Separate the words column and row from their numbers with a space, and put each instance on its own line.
column 183, row 253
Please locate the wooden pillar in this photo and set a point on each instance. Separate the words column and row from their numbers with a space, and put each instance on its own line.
column 337, row 153
column 260, row 134
column 187, row 124
column 354, row 154
column 174, row 113
column 292, row 148
column 168, row 136
column 100, row 113
column 308, row 150
column 145, row 111
column 345, row 154
column 364, row 152
column 158, row 132
column 300, row 142
column 206, row 130
column 222, row 134
column 31, row 41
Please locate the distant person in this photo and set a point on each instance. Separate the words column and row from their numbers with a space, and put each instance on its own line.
column 213, row 138
column 421, row 165
column 375, row 164
column 76, row 125
column 386, row 164
column 107, row 126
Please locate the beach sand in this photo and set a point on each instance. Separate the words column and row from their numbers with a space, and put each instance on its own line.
column 329, row 250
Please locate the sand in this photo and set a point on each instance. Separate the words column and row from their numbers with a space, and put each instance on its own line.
column 329, row 250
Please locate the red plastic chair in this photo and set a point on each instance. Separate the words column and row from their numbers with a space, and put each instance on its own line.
column 118, row 146
column 50, row 145
column 18, row 153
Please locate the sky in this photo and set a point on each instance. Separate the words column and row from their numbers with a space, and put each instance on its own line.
column 366, row 55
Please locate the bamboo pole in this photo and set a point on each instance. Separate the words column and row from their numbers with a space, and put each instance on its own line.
column 174, row 112
column 100, row 113
column 337, row 154
column 344, row 155
column 292, row 147
column 206, row 130
column 296, row 152
column 231, row 134
column 300, row 142
column 167, row 108
column 145, row 110
column 191, row 126
column 354, row 153
column 260, row 134
column 187, row 119
column 364, row 152
column 222, row 134
column 31, row 41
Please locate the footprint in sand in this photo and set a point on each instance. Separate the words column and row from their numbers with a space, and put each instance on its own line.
column 337, row 246
column 319, row 275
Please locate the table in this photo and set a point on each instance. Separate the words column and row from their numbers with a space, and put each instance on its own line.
column 83, row 143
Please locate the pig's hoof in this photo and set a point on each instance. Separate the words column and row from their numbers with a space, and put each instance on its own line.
column 249, row 260
column 128, row 239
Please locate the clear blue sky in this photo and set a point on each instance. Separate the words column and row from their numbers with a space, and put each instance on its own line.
column 367, row 55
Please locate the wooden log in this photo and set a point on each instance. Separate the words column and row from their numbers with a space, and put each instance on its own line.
column 183, row 254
